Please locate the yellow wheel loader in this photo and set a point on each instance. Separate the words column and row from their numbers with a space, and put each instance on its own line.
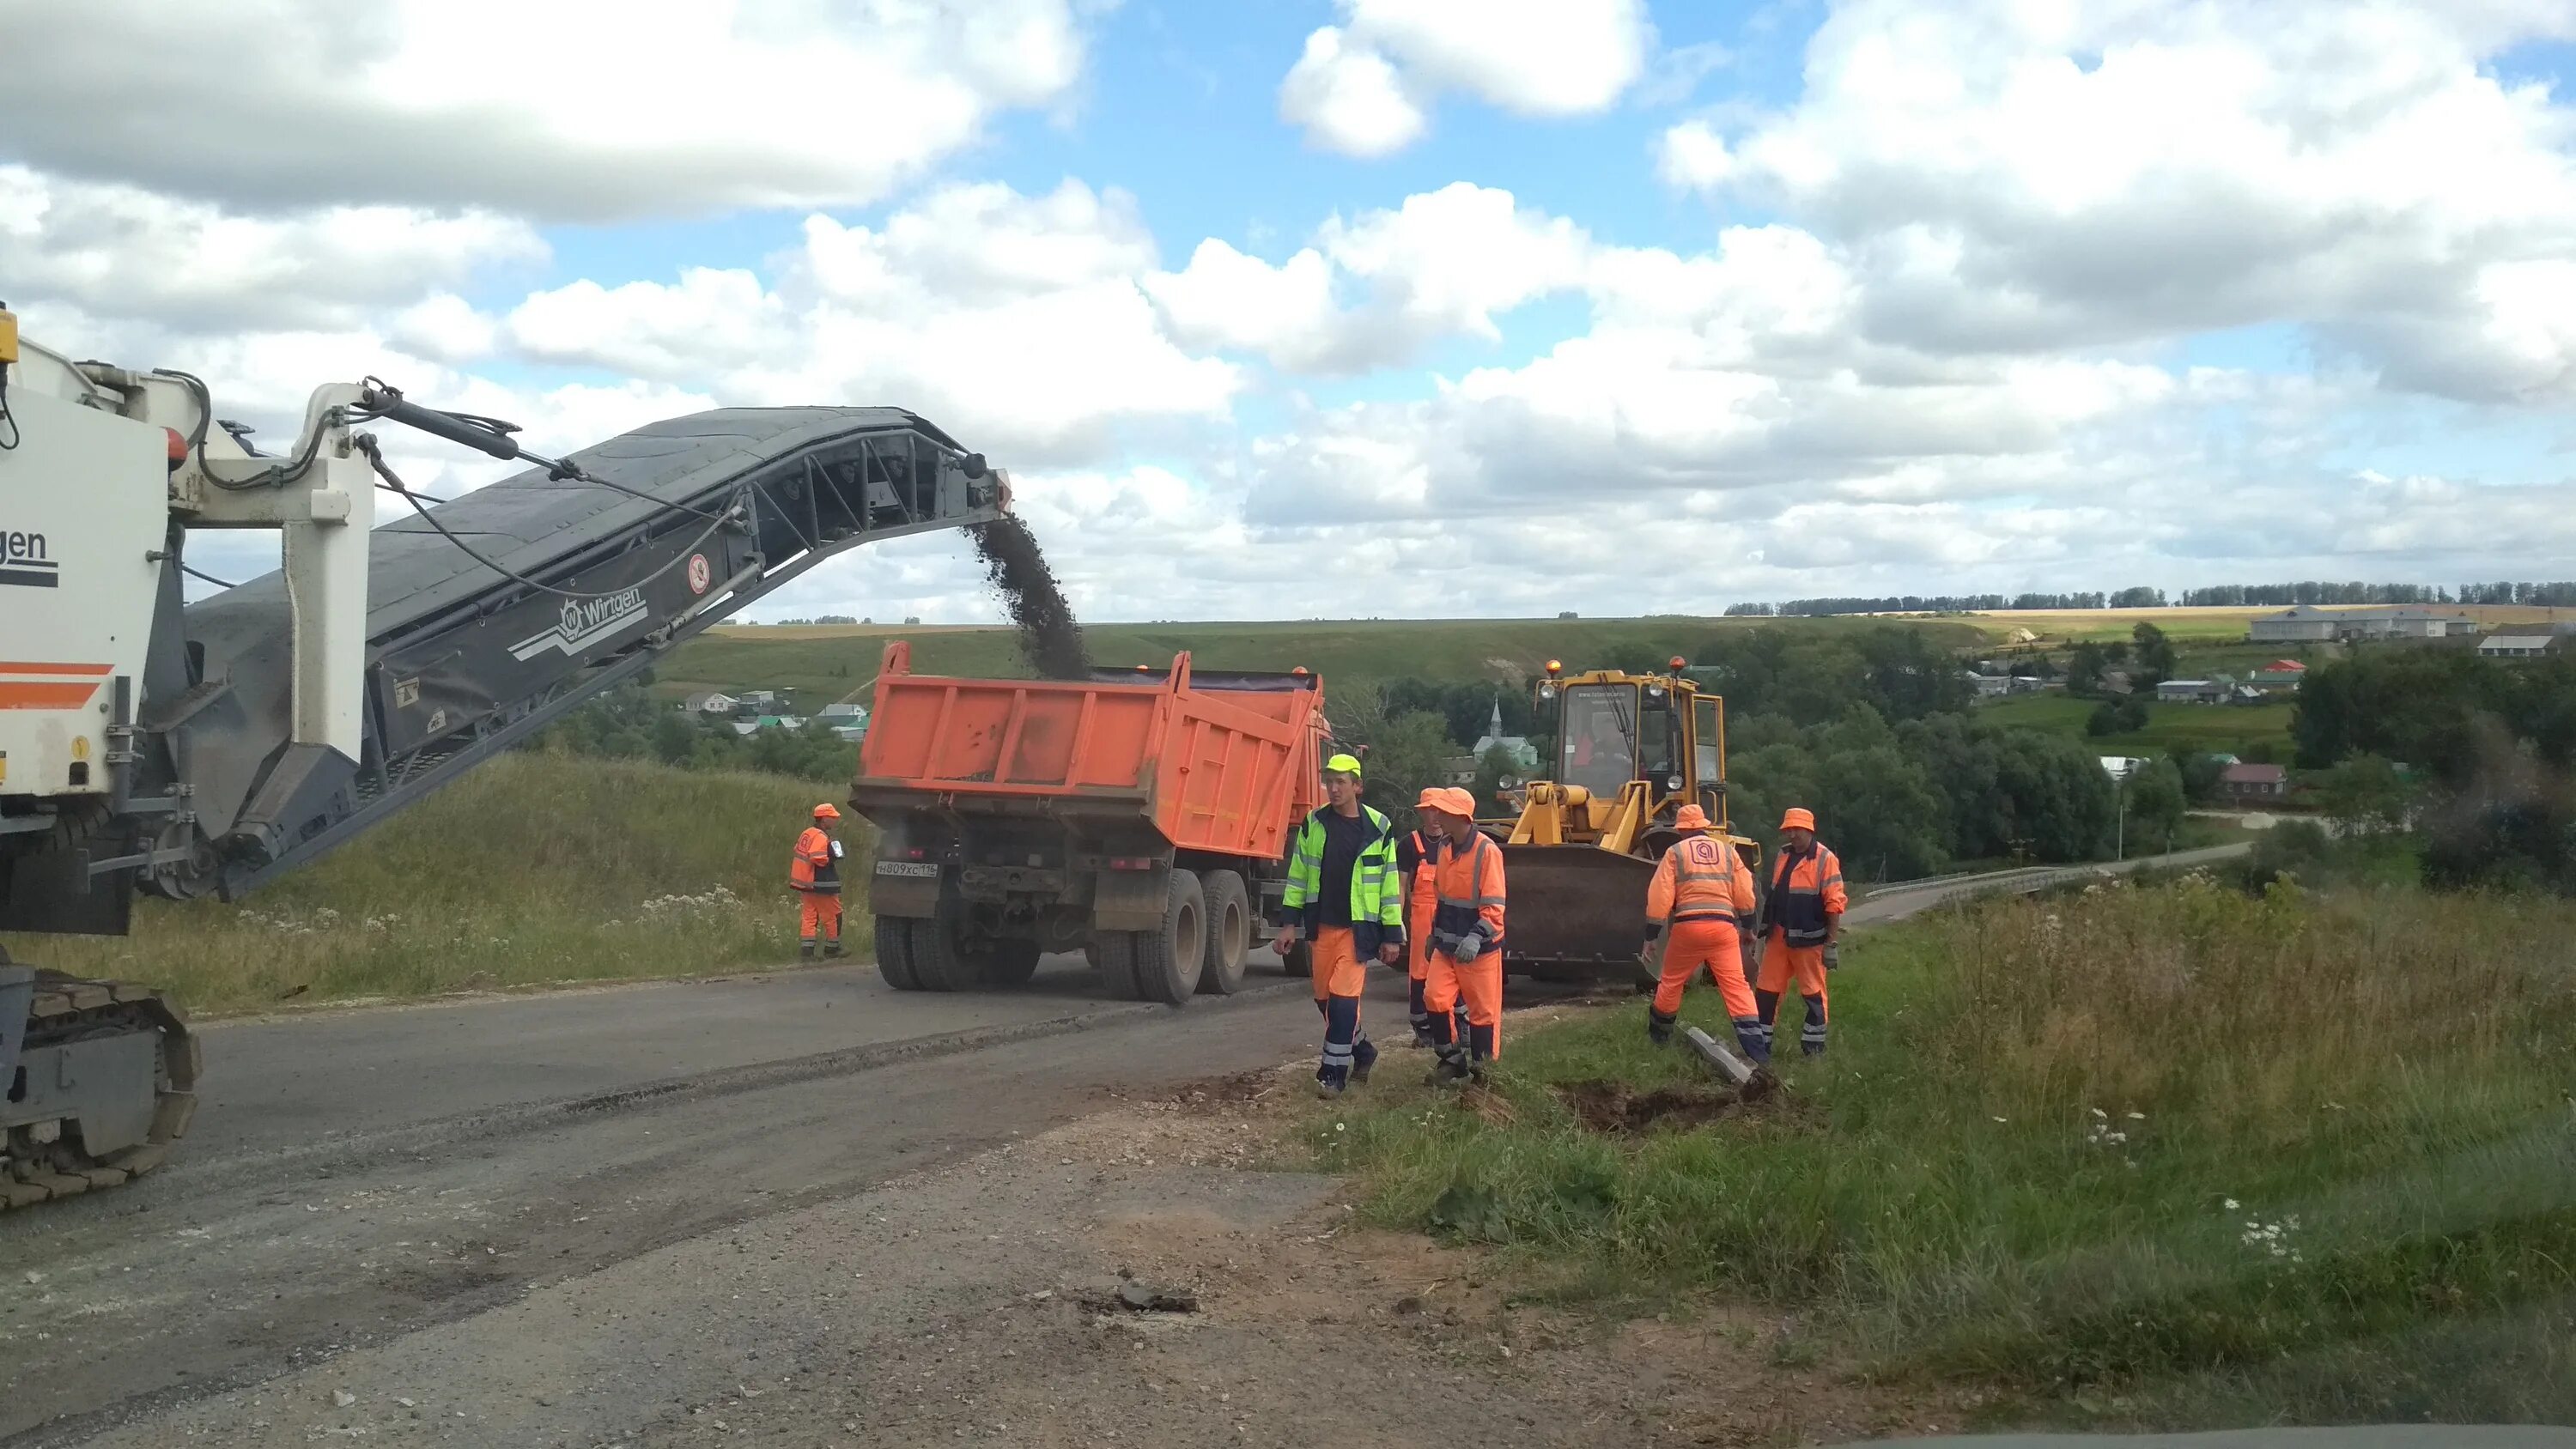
column 1631, row 750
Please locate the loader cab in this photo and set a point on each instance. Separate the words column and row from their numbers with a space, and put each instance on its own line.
column 1658, row 730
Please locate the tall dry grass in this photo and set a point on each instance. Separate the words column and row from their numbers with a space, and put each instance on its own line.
column 535, row 868
column 2130, row 1156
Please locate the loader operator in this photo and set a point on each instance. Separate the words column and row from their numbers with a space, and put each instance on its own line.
column 1345, row 897
column 815, row 873
column 1803, row 915
column 1417, row 858
column 1466, row 942
column 1702, row 895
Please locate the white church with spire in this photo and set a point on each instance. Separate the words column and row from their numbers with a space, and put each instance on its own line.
column 1524, row 753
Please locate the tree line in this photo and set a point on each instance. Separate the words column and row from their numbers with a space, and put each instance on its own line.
column 2473, row 758
column 626, row 723
column 2215, row 596
column 1868, row 728
column 2137, row 598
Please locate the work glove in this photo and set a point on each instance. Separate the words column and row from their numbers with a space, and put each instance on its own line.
column 1833, row 955
column 1470, row 946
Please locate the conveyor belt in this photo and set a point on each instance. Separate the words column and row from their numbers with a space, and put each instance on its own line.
column 464, row 660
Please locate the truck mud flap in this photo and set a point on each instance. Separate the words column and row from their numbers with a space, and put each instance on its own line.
column 907, row 888
column 1131, row 900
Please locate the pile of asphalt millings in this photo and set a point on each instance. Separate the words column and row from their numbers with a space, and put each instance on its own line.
column 1049, row 638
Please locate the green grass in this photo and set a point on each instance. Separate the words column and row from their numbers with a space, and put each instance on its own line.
column 2343, row 1180
column 823, row 663
column 2218, row 728
column 532, row 869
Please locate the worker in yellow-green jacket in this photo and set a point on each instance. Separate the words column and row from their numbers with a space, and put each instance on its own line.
column 1344, row 898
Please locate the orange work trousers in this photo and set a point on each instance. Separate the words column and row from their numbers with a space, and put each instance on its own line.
column 1337, row 968
column 1480, row 982
column 817, row 910
column 1417, row 933
column 1784, row 965
column 1691, row 945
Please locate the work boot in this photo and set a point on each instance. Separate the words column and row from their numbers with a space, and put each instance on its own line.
column 833, row 949
column 1451, row 1069
column 1363, row 1057
column 805, row 951
column 1327, row 1089
column 1659, row 1031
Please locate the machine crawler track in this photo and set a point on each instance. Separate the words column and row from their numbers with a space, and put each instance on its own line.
column 49, row 1159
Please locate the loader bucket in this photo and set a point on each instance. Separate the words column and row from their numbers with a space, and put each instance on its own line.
column 1577, row 912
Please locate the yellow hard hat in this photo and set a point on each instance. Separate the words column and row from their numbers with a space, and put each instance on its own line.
column 1343, row 765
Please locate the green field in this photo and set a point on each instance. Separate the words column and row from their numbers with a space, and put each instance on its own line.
column 2164, row 1157
column 532, row 869
column 825, row 662
column 2209, row 728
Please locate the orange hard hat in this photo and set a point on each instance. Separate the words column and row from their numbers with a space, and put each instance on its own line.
column 1690, row 817
column 826, row 811
column 1798, row 818
column 1461, row 803
column 1431, row 798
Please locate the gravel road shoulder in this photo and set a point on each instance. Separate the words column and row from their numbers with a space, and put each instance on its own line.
column 976, row 1302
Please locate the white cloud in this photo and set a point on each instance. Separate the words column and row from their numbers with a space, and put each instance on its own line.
column 2017, row 177
column 1364, row 87
column 1371, row 291
column 1349, row 98
column 1019, row 323
column 118, row 251
column 1693, row 157
column 572, row 110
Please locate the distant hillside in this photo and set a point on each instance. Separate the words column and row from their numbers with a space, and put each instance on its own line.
column 825, row 662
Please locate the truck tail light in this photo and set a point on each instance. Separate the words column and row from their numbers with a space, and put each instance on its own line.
column 916, row 853
column 1131, row 862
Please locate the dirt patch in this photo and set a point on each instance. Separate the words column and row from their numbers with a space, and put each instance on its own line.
column 1621, row 1110
column 1050, row 639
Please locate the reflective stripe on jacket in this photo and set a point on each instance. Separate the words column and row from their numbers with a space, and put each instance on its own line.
column 816, row 866
column 1804, row 891
column 1700, row 879
column 1471, row 896
column 1377, row 894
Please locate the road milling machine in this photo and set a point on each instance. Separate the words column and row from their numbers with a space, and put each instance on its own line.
column 1631, row 750
column 151, row 744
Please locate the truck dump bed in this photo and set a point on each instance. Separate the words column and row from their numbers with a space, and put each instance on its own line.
column 1220, row 763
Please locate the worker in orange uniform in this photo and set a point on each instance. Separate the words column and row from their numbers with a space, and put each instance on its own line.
column 1417, row 856
column 1344, row 896
column 815, row 874
column 1466, row 959
column 1701, row 897
column 1803, row 915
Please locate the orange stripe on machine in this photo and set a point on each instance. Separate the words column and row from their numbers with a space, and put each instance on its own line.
column 18, row 695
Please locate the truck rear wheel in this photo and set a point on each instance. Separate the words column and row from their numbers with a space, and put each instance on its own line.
column 1161, row 965
column 1229, row 932
column 937, row 963
column 894, row 953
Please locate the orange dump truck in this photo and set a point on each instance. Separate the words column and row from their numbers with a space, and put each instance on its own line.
column 1138, row 816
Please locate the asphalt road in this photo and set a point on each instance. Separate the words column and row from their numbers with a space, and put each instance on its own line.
column 355, row 1176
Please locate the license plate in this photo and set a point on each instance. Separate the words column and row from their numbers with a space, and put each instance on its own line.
column 907, row 867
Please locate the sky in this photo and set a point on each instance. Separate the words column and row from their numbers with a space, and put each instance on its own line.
column 1345, row 308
